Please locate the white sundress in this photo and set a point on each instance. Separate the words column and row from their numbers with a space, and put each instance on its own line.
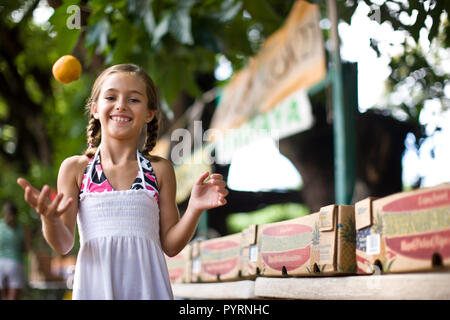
column 120, row 254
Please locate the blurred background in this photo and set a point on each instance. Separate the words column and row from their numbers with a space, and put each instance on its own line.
column 392, row 69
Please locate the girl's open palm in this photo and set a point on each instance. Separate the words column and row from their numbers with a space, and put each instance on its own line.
column 209, row 194
column 40, row 201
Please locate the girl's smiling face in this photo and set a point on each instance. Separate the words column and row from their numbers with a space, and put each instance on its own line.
column 122, row 106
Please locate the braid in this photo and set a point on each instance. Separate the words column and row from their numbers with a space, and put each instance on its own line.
column 152, row 135
column 93, row 136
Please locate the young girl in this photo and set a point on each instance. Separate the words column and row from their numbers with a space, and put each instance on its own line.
column 124, row 203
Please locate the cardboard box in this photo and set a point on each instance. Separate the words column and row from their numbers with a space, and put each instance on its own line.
column 333, row 243
column 284, row 247
column 406, row 231
column 180, row 266
column 221, row 258
column 249, row 252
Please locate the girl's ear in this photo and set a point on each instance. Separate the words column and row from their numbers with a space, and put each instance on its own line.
column 94, row 110
column 150, row 115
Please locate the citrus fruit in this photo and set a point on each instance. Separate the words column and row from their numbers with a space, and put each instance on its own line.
column 66, row 69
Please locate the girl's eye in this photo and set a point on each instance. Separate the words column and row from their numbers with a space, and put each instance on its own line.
column 109, row 98
column 133, row 100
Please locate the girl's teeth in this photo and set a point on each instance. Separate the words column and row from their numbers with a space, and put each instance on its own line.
column 120, row 119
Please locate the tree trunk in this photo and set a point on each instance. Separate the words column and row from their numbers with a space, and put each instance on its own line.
column 24, row 115
column 379, row 150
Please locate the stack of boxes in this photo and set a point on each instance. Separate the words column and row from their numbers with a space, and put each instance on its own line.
column 407, row 231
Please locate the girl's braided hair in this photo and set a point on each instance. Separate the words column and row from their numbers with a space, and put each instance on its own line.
column 93, row 135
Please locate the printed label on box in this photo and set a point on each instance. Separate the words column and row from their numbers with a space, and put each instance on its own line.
column 373, row 244
column 220, row 267
column 422, row 246
column 253, row 254
column 326, row 218
column 286, row 246
column 196, row 265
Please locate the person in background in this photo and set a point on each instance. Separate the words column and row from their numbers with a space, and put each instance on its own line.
column 14, row 242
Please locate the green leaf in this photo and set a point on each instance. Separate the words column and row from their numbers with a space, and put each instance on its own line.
column 233, row 44
column 135, row 7
column 149, row 22
column 97, row 35
column 262, row 12
column 207, row 39
column 229, row 10
column 161, row 29
column 125, row 38
column 98, row 9
column 142, row 11
column 180, row 26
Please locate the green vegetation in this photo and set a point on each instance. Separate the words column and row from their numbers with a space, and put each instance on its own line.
column 237, row 222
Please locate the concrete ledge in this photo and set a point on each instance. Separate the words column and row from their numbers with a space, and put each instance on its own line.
column 407, row 286
column 244, row 289
column 411, row 286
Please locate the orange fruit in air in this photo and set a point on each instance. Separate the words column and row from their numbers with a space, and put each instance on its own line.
column 66, row 69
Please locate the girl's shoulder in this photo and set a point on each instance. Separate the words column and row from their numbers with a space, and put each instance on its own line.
column 74, row 165
column 159, row 162
column 76, row 162
column 153, row 158
column 162, row 168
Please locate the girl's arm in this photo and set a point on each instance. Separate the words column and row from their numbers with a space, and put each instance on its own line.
column 58, row 216
column 175, row 233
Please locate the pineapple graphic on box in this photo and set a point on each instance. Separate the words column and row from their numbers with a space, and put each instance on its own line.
column 377, row 228
column 384, row 257
column 347, row 243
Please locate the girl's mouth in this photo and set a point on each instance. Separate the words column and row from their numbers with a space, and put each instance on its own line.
column 120, row 118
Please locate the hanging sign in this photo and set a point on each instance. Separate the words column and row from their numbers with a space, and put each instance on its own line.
column 290, row 116
column 291, row 59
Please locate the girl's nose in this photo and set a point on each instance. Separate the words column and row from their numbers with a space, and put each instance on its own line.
column 121, row 104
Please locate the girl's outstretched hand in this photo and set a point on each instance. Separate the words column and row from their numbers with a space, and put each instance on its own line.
column 40, row 201
column 209, row 194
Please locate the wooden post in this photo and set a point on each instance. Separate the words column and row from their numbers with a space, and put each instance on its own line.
column 343, row 133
